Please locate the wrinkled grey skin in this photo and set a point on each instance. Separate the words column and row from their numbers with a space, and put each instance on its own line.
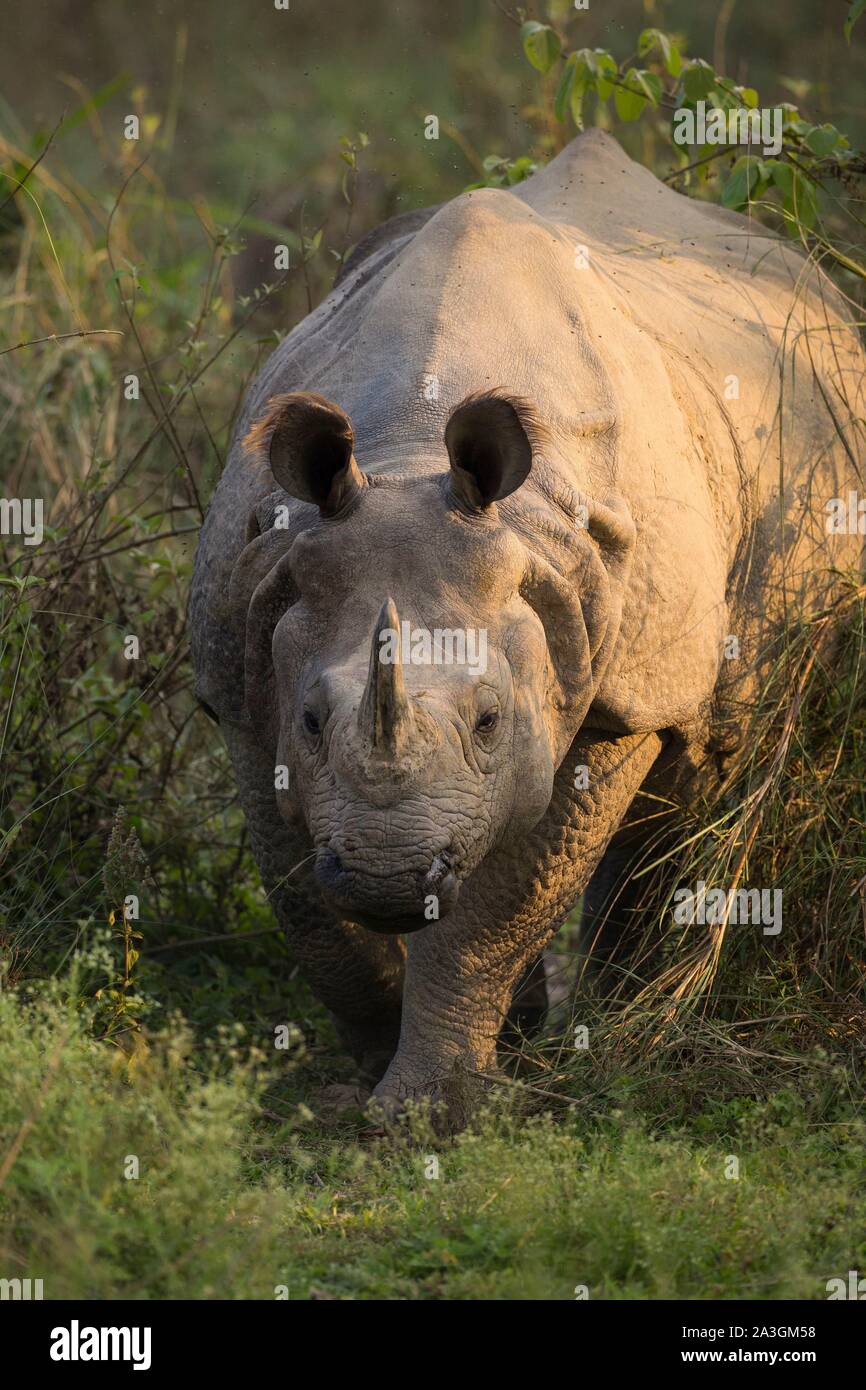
column 511, row 414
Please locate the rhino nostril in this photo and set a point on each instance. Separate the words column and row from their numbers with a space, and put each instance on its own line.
column 329, row 868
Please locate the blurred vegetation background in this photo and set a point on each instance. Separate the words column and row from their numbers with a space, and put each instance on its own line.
column 243, row 106
column 154, row 257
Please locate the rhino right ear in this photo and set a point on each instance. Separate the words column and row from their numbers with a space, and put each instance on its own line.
column 309, row 443
column 490, row 439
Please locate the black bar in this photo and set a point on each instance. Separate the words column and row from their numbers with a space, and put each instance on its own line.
column 226, row 1337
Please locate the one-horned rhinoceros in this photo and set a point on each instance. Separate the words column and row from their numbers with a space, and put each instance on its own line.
column 496, row 516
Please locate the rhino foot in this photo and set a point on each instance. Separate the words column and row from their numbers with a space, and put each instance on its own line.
column 342, row 1098
column 451, row 1100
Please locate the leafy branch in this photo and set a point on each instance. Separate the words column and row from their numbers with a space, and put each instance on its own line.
column 684, row 94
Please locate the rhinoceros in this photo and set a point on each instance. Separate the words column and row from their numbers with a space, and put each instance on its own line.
column 509, row 530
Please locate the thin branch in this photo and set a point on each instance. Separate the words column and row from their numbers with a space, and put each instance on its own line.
column 58, row 337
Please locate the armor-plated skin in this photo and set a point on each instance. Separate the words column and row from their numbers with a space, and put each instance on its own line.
column 560, row 415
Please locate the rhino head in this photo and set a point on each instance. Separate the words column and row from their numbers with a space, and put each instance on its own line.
column 430, row 659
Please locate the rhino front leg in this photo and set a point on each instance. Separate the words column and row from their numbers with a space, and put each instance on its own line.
column 461, row 973
column 358, row 977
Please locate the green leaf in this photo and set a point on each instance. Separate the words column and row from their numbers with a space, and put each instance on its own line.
column 821, row 139
column 649, row 83
column 540, row 44
column 598, row 68
column 628, row 104
column 584, row 70
column 805, row 201
column 725, row 94
column 521, row 169
column 567, row 78
column 699, row 80
column 799, row 195
column 673, row 61
column 747, row 173
column 606, row 70
column 654, row 38
column 578, row 92
column 637, row 88
column 853, row 15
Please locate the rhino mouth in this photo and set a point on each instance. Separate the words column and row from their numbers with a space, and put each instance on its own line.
column 400, row 905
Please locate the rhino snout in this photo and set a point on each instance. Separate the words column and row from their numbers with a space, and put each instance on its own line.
column 402, row 902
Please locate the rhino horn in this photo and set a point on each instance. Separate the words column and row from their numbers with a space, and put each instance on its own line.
column 385, row 716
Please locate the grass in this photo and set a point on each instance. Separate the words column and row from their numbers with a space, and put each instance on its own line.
column 231, row 1201
column 609, row 1168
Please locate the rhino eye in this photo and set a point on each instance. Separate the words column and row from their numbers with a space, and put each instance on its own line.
column 311, row 723
column 486, row 723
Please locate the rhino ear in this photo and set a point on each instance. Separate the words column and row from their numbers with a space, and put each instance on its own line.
column 489, row 443
column 309, row 443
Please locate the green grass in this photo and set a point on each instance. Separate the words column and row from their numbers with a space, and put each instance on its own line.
column 233, row 1202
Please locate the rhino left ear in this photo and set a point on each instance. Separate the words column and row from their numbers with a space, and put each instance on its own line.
column 309, row 442
column 489, row 442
